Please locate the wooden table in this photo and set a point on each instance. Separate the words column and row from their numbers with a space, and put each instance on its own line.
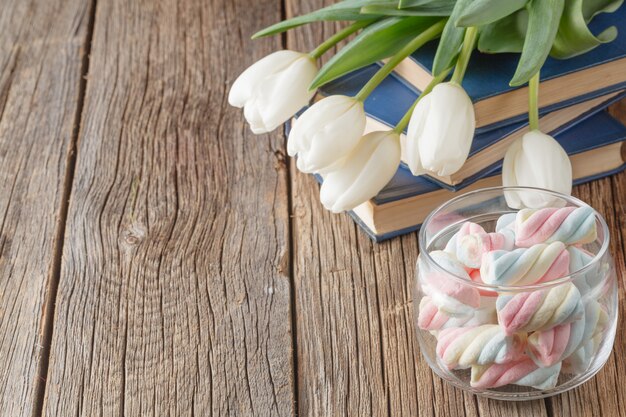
column 156, row 258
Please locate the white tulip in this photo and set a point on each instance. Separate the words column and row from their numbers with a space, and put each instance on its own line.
column 536, row 160
column 326, row 133
column 273, row 89
column 368, row 168
column 440, row 131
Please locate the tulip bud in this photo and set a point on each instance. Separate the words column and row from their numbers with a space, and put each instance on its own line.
column 536, row 160
column 326, row 133
column 440, row 132
column 366, row 170
column 273, row 89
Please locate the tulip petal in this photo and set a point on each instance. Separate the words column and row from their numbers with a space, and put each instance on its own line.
column 537, row 160
column 337, row 139
column 441, row 131
column 312, row 119
column 282, row 94
column 367, row 169
column 326, row 133
column 414, row 132
column 508, row 174
column 245, row 85
column 449, row 130
column 254, row 118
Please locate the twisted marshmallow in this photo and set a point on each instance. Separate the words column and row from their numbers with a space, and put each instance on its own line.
column 447, row 293
column 465, row 229
column 579, row 361
column 569, row 225
column 432, row 319
column 470, row 248
column 547, row 347
column 506, row 222
column 521, row 372
column 475, row 276
column 596, row 322
column 523, row 266
column 590, row 278
column 465, row 346
column 597, row 319
column 540, row 309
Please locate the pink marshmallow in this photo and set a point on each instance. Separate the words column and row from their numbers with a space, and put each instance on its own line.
column 523, row 372
column 498, row 375
column 539, row 310
column 569, row 225
column 475, row 276
column 430, row 318
column 541, row 225
column 444, row 284
column 517, row 312
column 449, row 293
column 558, row 269
column 466, row 228
column 548, row 346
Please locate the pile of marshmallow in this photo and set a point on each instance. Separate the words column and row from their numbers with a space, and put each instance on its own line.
column 521, row 338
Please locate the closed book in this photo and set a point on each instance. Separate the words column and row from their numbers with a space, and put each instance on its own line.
column 391, row 99
column 596, row 147
column 563, row 82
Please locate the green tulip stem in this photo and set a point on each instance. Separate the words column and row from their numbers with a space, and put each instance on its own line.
column 533, row 106
column 427, row 35
column 464, row 56
column 338, row 37
column 402, row 124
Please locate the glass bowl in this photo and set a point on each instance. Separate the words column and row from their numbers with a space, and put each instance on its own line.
column 486, row 330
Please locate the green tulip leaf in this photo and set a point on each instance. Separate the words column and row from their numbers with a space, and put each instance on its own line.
column 504, row 35
column 574, row 37
column 482, row 12
column 591, row 8
column 543, row 23
column 451, row 40
column 391, row 9
column 378, row 41
column 432, row 3
column 343, row 10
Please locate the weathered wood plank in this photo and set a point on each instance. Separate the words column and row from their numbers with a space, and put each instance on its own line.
column 356, row 347
column 339, row 341
column 41, row 53
column 174, row 296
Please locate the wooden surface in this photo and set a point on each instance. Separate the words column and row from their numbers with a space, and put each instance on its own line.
column 156, row 258
column 41, row 65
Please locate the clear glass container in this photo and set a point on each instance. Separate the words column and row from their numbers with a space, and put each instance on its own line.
column 487, row 323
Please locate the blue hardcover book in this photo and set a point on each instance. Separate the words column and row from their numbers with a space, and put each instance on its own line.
column 391, row 99
column 596, row 146
column 564, row 82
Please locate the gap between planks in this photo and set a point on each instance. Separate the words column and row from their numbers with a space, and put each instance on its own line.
column 291, row 226
column 55, row 269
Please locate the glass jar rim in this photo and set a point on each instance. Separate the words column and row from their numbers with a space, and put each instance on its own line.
column 515, row 288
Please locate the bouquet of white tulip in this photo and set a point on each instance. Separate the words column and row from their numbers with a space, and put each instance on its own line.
column 328, row 138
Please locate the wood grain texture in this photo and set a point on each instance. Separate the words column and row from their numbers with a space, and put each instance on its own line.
column 174, row 296
column 339, row 341
column 41, row 53
column 181, row 269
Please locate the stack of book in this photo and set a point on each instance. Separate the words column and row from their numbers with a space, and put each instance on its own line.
column 574, row 95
